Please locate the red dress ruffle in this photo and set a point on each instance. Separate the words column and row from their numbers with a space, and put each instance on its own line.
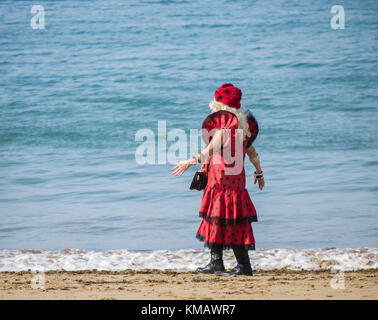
column 226, row 208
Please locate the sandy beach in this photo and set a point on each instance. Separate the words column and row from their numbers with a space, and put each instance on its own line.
column 151, row 284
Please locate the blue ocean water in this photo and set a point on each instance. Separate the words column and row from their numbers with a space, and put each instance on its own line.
column 73, row 96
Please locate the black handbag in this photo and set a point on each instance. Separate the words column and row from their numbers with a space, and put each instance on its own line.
column 199, row 181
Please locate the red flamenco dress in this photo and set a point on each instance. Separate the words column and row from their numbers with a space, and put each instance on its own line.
column 226, row 208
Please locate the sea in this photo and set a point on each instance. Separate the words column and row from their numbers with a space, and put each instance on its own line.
column 85, row 85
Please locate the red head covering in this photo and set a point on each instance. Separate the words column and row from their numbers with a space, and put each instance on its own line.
column 228, row 95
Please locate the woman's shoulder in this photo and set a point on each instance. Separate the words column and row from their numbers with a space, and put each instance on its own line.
column 220, row 119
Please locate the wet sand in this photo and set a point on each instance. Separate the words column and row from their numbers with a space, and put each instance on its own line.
column 152, row 284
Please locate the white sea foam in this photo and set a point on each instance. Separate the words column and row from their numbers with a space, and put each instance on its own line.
column 186, row 260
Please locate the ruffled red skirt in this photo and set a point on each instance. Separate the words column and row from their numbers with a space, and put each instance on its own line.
column 227, row 211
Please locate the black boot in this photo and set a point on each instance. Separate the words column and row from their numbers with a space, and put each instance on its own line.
column 215, row 264
column 244, row 265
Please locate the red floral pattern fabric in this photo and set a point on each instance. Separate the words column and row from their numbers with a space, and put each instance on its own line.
column 226, row 207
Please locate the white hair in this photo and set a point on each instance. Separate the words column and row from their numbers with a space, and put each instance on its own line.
column 240, row 113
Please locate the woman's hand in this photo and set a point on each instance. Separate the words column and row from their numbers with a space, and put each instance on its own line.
column 261, row 182
column 182, row 166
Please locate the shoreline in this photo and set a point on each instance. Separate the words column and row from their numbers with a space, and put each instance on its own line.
column 158, row 285
column 187, row 260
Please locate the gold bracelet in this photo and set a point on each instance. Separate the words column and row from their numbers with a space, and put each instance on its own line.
column 259, row 175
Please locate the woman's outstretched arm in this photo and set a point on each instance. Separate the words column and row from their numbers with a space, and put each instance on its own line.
column 255, row 160
column 214, row 145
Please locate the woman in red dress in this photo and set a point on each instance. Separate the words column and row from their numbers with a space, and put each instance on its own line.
column 226, row 208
